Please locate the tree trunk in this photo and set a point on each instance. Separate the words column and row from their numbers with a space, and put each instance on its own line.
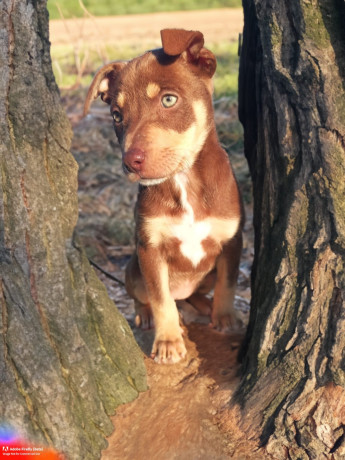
column 292, row 106
column 67, row 357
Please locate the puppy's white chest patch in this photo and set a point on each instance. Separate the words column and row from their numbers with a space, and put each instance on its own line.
column 188, row 231
column 191, row 234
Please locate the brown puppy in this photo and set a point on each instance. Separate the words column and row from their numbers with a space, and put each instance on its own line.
column 189, row 213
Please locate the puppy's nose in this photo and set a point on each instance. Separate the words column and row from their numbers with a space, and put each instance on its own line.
column 134, row 160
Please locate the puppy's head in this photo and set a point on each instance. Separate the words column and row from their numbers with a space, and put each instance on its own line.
column 161, row 104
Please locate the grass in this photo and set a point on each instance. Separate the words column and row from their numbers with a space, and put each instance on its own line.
column 226, row 77
column 72, row 8
column 67, row 62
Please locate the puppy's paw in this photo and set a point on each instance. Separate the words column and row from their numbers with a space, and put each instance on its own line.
column 144, row 317
column 201, row 303
column 226, row 322
column 168, row 351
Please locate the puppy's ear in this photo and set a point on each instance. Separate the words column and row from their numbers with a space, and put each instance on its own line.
column 101, row 83
column 175, row 41
column 190, row 44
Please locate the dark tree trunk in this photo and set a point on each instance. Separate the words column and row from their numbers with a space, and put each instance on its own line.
column 67, row 357
column 292, row 106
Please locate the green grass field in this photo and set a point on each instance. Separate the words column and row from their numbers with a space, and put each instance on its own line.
column 73, row 8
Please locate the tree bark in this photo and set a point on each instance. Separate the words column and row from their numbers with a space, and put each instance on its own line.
column 292, row 107
column 67, row 357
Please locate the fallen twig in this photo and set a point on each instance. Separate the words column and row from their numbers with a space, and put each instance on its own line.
column 107, row 274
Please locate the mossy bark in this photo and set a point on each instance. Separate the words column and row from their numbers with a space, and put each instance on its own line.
column 67, row 357
column 291, row 104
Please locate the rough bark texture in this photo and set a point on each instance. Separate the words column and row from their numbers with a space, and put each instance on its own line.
column 67, row 357
column 292, row 106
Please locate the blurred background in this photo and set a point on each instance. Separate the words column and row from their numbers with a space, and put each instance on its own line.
column 73, row 9
column 86, row 34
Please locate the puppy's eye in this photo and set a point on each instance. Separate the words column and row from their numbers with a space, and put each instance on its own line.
column 117, row 116
column 169, row 100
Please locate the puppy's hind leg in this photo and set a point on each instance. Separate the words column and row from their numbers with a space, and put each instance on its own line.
column 223, row 314
column 136, row 290
column 198, row 299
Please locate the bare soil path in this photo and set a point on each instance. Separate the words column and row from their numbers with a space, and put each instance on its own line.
column 184, row 415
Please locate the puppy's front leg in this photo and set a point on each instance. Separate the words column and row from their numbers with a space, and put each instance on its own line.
column 168, row 346
column 223, row 313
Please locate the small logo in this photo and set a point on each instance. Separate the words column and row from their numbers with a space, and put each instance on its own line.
column 5, row 448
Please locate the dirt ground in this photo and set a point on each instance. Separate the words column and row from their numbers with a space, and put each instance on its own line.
column 216, row 25
column 186, row 413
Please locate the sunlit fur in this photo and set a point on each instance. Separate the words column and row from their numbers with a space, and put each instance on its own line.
column 189, row 213
column 152, row 90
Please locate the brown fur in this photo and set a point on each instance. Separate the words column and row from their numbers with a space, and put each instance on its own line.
column 189, row 213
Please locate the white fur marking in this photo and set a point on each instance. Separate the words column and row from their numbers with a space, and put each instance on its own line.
column 160, row 228
column 148, row 182
column 188, row 231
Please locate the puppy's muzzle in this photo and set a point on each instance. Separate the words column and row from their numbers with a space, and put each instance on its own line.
column 133, row 160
